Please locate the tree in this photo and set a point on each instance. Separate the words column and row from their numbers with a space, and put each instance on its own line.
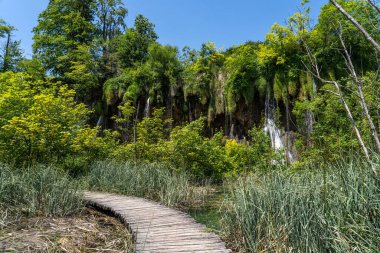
column 110, row 23
column 110, row 20
column 61, row 29
column 83, row 73
column 368, row 37
column 373, row 4
column 12, row 53
column 132, row 47
column 166, row 68
column 243, row 72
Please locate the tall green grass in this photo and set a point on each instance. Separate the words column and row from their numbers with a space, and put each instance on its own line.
column 41, row 190
column 332, row 210
column 144, row 180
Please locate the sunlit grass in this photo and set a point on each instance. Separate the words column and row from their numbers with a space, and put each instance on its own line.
column 37, row 191
column 336, row 209
column 144, row 180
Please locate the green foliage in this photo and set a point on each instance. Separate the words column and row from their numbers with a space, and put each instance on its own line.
column 188, row 150
column 12, row 54
column 152, row 129
column 132, row 47
column 332, row 131
column 200, row 76
column 82, row 74
column 333, row 209
column 243, row 72
column 62, row 27
column 110, row 19
column 123, row 122
column 41, row 122
column 33, row 68
column 110, row 23
column 166, row 69
column 195, row 153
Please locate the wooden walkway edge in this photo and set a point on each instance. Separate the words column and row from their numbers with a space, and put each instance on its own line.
column 157, row 228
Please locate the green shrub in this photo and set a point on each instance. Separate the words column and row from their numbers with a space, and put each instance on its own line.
column 336, row 209
column 189, row 151
column 41, row 122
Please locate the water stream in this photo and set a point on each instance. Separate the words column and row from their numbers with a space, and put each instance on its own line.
column 271, row 128
column 147, row 108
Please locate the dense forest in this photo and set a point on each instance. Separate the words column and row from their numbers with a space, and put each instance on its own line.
column 98, row 89
column 313, row 88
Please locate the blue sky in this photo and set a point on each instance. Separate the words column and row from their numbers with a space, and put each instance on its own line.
column 180, row 22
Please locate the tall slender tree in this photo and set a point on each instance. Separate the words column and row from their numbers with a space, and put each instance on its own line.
column 110, row 23
column 11, row 52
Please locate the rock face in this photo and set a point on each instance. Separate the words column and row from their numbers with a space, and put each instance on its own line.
column 234, row 119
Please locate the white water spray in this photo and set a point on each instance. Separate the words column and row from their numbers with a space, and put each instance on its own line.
column 147, row 108
column 271, row 129
column 100, row 121
column 270, row 125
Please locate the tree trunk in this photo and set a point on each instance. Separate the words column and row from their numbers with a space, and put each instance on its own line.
column 287, row 129
column 226, row 126
column 351, row 118
column 369, row 118
column 134, row 130
column 357, row 25
column 359, row 83
column 6, row 52
column 316, row 73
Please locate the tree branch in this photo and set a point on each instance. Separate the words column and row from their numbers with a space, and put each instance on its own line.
column 372, row 3
column 357, row 25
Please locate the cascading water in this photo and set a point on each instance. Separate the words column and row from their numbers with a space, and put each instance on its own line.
column 147, row 108
column 271, row 129
column 100, row 121
column 270, row 125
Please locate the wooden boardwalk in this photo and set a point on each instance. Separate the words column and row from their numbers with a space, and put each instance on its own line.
column 157, row 228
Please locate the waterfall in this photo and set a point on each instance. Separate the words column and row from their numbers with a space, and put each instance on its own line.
column 270, row 125
column 232, row 131
column 272, row 130
column 100, row 121
column 147, row 108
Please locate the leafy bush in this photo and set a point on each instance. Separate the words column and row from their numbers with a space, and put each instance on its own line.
column 332, row 210
column 196, row 154
column 41, row 122
column 188, row 150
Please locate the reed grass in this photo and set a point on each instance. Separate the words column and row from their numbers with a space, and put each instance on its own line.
column 335, row 209
column 144, row 180
column 41, row 190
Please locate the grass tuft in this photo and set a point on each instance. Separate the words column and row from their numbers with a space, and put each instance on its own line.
column 333, row 210
column 41, row 190
column 144, row 180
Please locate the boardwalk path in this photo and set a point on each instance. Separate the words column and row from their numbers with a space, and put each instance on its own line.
column 157, row 228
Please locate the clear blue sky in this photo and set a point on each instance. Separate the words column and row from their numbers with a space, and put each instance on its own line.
column 180, row 22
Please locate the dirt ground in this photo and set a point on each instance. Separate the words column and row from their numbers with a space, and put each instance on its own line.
column 89, row 231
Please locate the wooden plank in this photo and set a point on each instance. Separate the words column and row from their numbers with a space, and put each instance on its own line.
column 157, row 228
